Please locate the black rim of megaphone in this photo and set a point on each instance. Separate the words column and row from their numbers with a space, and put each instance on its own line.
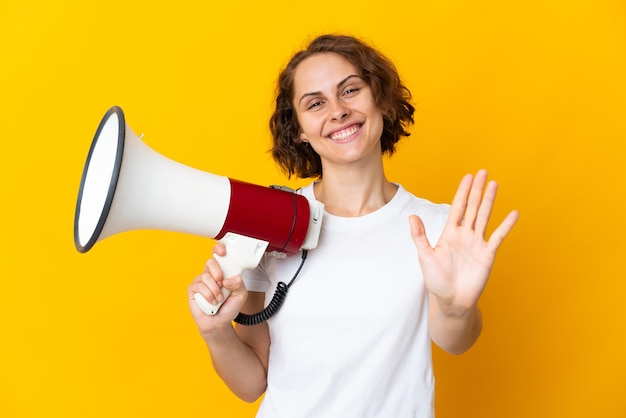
column 112, row 185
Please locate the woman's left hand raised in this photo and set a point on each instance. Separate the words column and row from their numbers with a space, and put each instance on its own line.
column 457, row 268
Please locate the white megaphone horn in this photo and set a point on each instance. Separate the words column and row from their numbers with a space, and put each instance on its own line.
column 128, row 186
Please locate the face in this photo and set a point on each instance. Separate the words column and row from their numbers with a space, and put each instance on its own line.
column 336, row 111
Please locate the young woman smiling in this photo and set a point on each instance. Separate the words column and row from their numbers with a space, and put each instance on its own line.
column 391, row 273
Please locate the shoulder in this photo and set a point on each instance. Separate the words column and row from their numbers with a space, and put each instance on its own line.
column 420, row 205
column 433, row 215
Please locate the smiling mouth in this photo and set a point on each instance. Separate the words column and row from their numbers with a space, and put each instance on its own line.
column 344, row 133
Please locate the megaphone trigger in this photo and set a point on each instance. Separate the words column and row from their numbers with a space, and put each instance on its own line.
column 242, row 253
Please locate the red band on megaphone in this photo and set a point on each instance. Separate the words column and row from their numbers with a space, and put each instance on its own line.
column 278, row 217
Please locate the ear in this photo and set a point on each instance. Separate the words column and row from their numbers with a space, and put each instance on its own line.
column 303, row 137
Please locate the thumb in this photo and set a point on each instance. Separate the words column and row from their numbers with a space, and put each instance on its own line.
column 235, row 284
column 238, row 294
column 418, row 233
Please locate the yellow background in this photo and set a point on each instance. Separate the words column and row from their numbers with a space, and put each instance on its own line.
column 533, row 90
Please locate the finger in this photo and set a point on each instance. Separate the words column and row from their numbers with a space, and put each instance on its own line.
column 212, row 290
column 198, row 287
column 459, row 203
column 213, row 268
column 418, row 233
column 486, row 206
column 218, row 249
column 237, row 297
column 503, row 230
column 474, row 199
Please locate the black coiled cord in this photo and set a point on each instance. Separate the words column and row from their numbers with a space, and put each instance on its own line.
column 275, row 304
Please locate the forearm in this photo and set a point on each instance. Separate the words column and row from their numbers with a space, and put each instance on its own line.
column 454, row 329
column 237, row 364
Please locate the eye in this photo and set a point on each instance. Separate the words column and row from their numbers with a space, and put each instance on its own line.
column 350, row 90
column 314, row 104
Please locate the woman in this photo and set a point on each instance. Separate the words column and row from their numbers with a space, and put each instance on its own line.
column 353, row 338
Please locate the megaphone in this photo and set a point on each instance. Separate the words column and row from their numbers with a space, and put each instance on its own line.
column 128, row 186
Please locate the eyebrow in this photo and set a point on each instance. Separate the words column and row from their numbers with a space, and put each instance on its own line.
column 341, row 83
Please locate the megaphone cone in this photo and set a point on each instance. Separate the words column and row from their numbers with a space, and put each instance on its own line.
column 127, row 186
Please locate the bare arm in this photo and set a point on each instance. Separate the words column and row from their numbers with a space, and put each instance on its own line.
column 456, row 270
column 239, row 354
column 454, row 330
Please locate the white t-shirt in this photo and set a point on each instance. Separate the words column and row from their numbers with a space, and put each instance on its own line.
column 351, row 339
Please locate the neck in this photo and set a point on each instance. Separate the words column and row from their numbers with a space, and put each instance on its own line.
column 353, row 193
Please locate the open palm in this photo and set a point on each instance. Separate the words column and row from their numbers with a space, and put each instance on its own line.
column 457, row 268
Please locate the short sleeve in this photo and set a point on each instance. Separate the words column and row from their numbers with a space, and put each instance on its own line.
column 256, row 280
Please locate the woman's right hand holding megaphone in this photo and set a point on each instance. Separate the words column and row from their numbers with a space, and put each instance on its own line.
column 210, row 285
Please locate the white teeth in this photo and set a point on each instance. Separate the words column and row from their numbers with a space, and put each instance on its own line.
column 344, row 133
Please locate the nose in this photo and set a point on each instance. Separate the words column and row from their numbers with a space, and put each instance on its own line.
column 338, row 110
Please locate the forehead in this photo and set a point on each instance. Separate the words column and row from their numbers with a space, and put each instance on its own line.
column 320, row 71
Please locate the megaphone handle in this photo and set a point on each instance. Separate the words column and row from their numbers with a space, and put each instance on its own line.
column 242, row 253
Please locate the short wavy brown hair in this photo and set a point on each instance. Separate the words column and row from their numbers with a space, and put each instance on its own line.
column 380, row 74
